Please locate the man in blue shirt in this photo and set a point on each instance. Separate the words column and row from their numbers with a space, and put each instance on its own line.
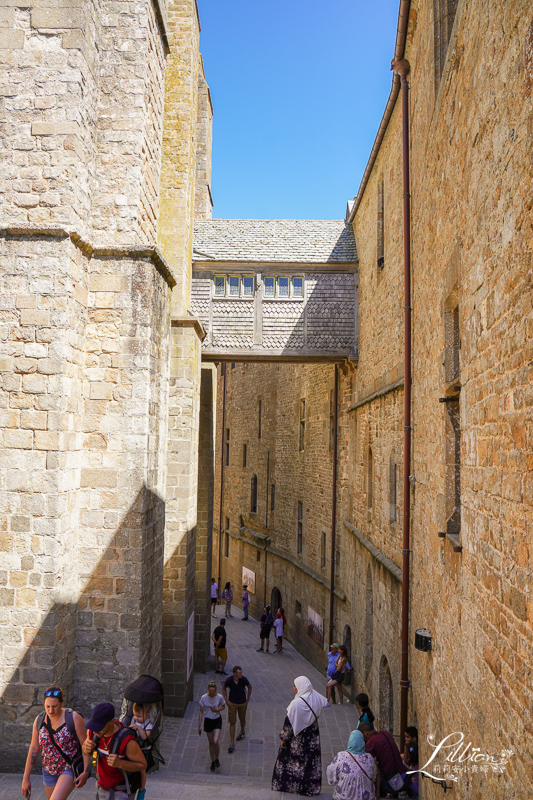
column 332, row 657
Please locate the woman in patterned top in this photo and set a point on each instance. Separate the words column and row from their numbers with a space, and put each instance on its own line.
column 50, row 728
column 298, row 767
column 353, row 771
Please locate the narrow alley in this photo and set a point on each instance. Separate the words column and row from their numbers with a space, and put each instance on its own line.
column 186, row 774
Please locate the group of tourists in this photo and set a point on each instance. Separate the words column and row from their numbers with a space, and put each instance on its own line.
column 122, row 749
column 227, row 598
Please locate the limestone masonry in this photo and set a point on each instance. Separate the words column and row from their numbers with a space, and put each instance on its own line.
column 182, row 397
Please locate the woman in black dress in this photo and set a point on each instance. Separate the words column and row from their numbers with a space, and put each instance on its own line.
column 298, row 767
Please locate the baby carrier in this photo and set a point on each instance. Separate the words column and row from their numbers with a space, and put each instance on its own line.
column 145, row 690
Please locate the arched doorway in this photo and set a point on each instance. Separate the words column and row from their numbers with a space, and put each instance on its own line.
column 347, row 642
column 386, row 697
column 275, row 600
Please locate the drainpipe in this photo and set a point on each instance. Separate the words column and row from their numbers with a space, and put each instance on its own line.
column 333, row 507
column 223, row 372
column 268, row 478
column 402, row 68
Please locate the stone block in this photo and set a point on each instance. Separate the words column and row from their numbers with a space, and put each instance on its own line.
column 101, row 391
column 34, row 317
column 61, row 128
column 11, row 39
column 57, row 18
column 34, row 420
column 99, row 478
column 17, row 439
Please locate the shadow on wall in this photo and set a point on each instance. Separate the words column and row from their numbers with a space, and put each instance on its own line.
column 100, row 641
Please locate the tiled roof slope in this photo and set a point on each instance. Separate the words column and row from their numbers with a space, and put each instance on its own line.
column 299, row 241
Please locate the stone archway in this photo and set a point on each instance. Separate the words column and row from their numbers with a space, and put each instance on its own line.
column 275, row 600
column 386, row 697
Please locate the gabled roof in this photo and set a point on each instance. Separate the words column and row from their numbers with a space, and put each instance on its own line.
column 297, row 241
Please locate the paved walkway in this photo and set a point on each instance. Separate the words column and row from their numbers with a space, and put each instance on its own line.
column 186, row 775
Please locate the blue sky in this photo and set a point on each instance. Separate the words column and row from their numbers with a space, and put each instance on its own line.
column 298, row 91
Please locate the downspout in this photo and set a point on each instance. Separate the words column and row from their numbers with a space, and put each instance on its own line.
column 402, row 68
column 268, row 478
column 223, row 372
column 333, row 508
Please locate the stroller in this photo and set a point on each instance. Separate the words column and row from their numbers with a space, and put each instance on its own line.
column 145, row 691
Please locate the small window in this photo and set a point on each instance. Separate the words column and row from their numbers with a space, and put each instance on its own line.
column 220, row 285
column 270, row 285
column 302, row 425
column 248, row 286
column 226, row 545
column 244, row 455
column 331, row 419
column 233, row 364
column 260, row 421
column 283, row 287
column 298, row 287
column 258, row 555
column 298, row 608
column 227, row 523
column 273, row 497
column 369, row 480
column 233, row 283
column 299, row 547
column 253, row 498
column 227, row 447
column 323, row 550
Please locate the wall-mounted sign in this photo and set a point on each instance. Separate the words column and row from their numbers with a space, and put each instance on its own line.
column 248, row 577
column 315, row 626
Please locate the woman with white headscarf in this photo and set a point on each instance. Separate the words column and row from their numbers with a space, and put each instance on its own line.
column 298, row 767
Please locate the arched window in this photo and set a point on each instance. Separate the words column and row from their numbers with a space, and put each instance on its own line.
column 369, row 622
column 386, row 697
column 275, row 600
column 253, row 493
column 369, row 479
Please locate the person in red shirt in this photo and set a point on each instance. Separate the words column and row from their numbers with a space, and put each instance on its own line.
column 101, row 731
column 381, row 745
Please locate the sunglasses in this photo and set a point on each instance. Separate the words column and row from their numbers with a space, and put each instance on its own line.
column 53, row 693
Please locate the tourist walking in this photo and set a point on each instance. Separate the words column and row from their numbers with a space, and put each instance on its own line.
column 278, row 630
column 245, row 597
column 338, row 674
column 117, row 752
column 330, row 669
column 265, row 626
column 58, row 734
column 298, row 767
column 237, row 691
column 219, row 639
column 214, row 597
column 211, row 704
column 381, row 745
column 365, row 714
column 228, row 598
column 353, row 772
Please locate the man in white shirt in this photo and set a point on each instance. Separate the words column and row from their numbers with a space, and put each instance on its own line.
column 214, row 597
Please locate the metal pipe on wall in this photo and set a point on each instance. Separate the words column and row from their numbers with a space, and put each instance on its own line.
column 334, row 508
column 402, row 68
column 223, row 373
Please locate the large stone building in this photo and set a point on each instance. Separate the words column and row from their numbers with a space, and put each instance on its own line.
column 105, row 163
column 470, row 140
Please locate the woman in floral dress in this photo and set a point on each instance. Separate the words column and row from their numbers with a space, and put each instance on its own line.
column 298, row 767
column 353, row 771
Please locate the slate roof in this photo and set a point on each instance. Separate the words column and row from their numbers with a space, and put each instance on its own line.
column 301, row 241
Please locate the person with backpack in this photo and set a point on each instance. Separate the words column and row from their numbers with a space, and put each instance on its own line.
column 58, row 734
column 266, row 622
column 119, row 760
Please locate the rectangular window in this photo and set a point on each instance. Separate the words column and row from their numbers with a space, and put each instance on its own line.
column 273, row 497
column 233, row 364
column 258, row 555
column 302, row 425
column 248, row 286
column 226, row 545
column 298, row 608
column 244, row 455
column 227, row 523
column 299, row 547
column 270, row 285
column 323, row 550
column 233, row 283
column 381, row 225
column 331, row 419
column 283, row 287
column 298, row 287
column 220, row 285
column 393, row 498
column 259, row 415
column 227, row 447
